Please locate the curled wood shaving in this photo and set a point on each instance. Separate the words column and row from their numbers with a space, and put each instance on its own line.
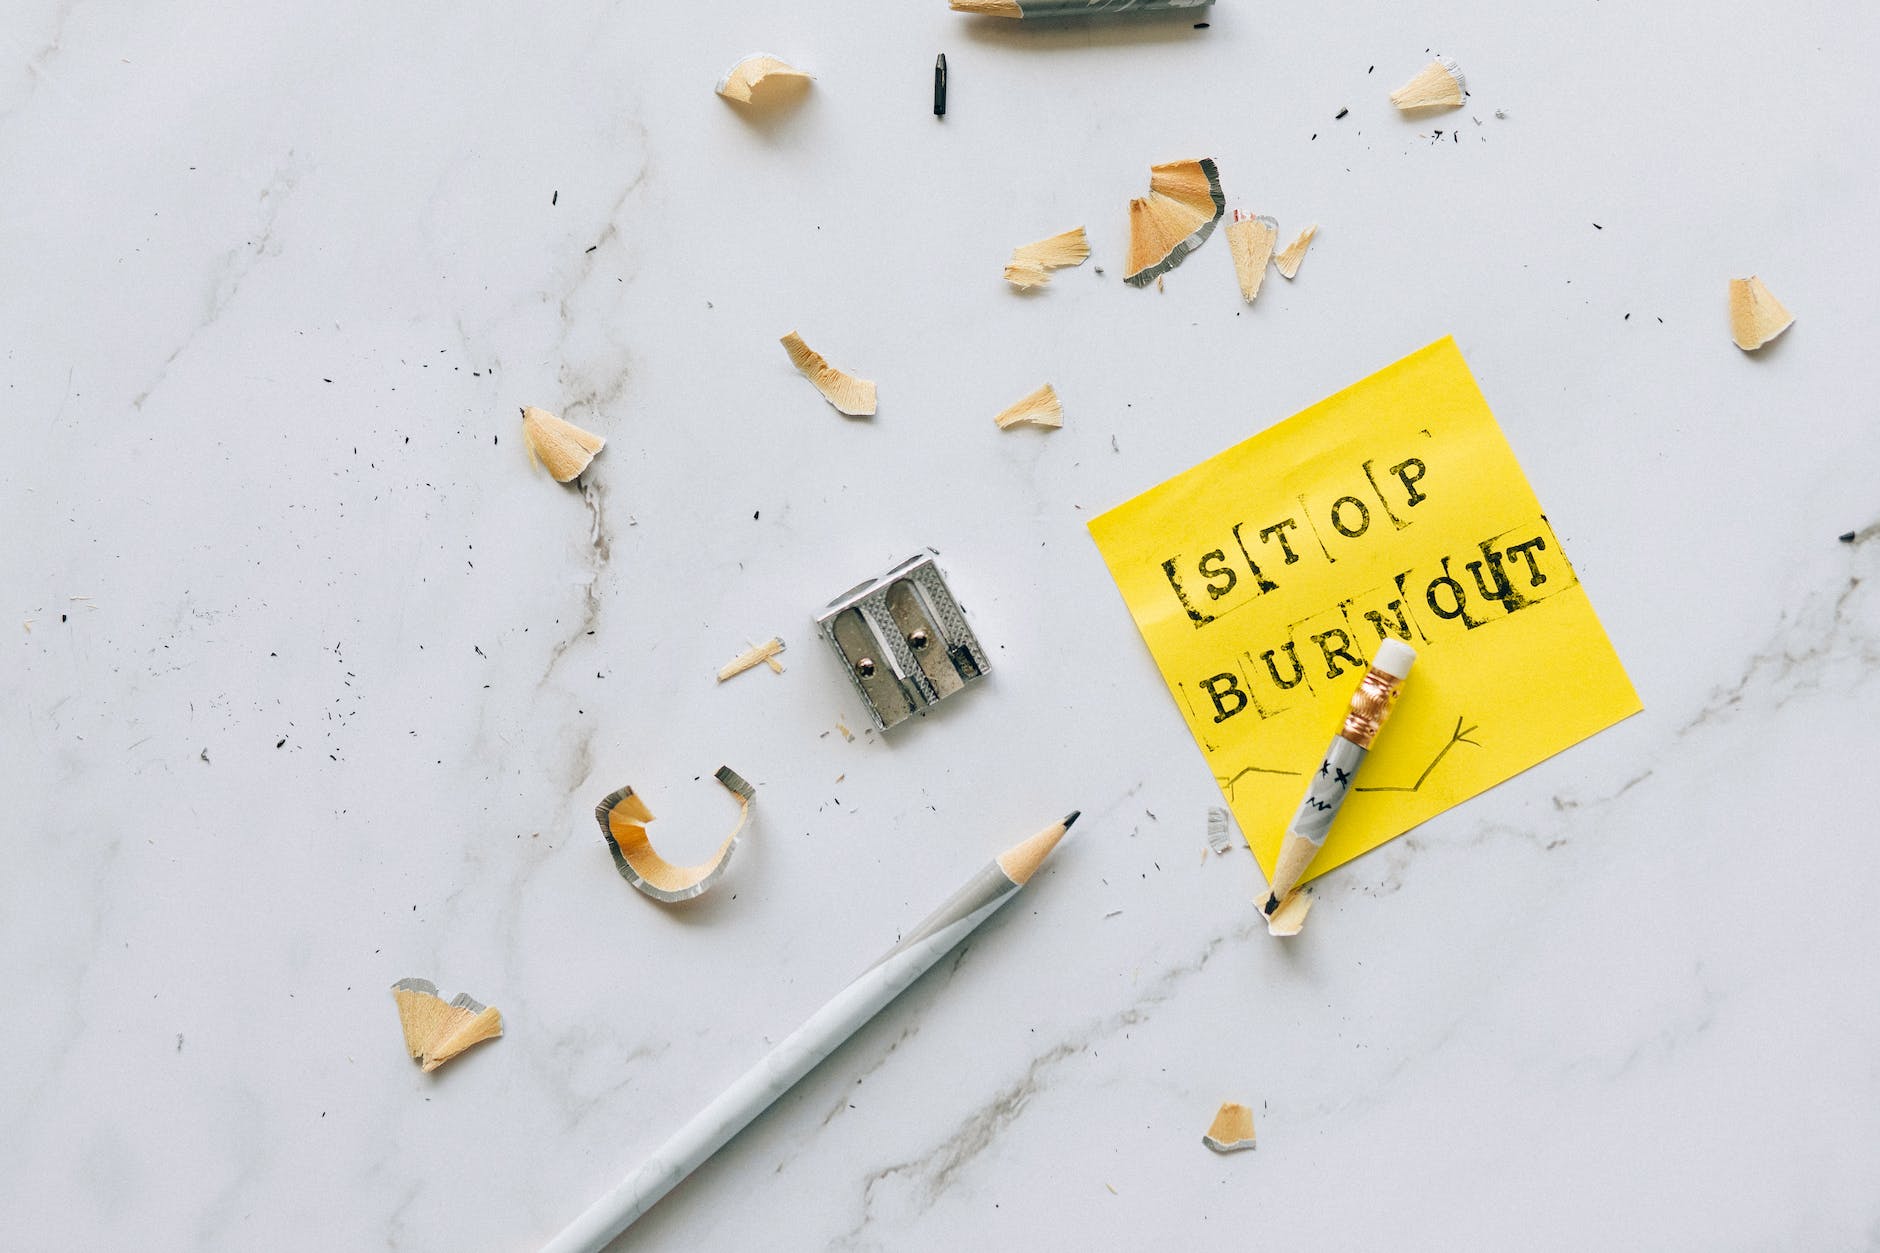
column 756, row 655
column 1174, row 219
column 1031, row 264
column 1756, row 316
column 436, row 1031
column 1438, row 85
column 1290, row 916
column 744, row 78
column 850, row 395
column 1218, row 838
column 1041, row 408
column 1231, row 1130
column 564, row 448
column 623, row 817
column 1250, row 240
column 1287, row 262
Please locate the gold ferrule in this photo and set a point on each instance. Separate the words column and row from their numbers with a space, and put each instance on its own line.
column 1370, row 705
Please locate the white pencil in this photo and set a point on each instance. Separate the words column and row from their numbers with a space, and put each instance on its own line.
column 798, row 1054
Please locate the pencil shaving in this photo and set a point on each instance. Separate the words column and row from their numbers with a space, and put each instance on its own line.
column 850, row 395
column 1231, row 1130
column 1031, row 264
column 437, row 1030
column 1290, row 916
column 1174, row 219
column 1756, row 316
column 1041, row 408
column 741, row 82
column 1438, row 85
column 1250, row 240
column 1287, row 262
column 1218, row 838
column 623, row 817
column 1026, row 275
column 764, row 654
column 562, row 447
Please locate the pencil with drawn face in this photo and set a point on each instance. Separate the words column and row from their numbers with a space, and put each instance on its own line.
column 1332, row 781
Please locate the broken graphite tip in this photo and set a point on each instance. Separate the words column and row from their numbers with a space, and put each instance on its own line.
column 436, row 1030
column 903, row 641
column 623, row 817
column 1174, row 219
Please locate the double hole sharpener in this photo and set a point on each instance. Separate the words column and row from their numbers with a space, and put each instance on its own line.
column 903, row 641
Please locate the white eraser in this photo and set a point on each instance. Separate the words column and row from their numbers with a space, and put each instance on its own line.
column 1394, row 657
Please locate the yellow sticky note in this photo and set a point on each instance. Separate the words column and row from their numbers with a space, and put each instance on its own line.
column 1264, row 578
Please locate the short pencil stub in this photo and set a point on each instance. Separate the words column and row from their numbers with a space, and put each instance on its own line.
column 1438, row 85
column 850, row 395
column 1756, row 316
column 742, row 81
column 436, row 1030
column 563, row 448
column 1231, row 1130
column 623, row 817
column 1040, row 408
column 1174, row 219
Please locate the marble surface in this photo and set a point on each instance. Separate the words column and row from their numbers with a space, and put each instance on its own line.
column 319, row 679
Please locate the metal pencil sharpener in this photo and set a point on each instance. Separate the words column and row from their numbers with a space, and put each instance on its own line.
column 903, row 641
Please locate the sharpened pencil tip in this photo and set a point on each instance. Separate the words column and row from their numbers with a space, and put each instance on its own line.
column 1272, row 903
column 1021, row 861
column 1071, row 817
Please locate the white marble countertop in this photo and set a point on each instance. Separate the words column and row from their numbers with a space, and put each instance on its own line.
column 320, row 679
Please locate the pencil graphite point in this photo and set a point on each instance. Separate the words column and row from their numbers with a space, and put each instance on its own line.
column 1272, row 903
column 1071, row 817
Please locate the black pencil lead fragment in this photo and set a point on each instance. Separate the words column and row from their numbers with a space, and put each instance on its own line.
column 940, row 85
